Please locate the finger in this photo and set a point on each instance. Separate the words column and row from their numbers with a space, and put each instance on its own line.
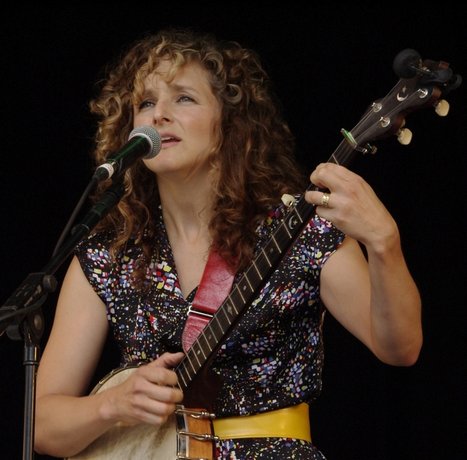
column 164, row 394
column 329, row 175
column 325, row 197
column 318, row 198
column 157, row 383
column 153, row 411
column 161, row 376
column 169, row 360
column 149, row 409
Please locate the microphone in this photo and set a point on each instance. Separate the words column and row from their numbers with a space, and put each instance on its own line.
column 143, row 142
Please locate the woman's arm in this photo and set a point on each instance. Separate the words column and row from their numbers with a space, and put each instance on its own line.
column 67, row 419
column 374, row 297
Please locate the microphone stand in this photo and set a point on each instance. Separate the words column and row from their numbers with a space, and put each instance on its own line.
column 21, row 315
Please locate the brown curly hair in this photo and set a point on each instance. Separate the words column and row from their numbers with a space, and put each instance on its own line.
column 256, row 165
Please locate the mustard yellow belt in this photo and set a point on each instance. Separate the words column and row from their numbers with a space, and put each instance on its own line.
column 289, row 422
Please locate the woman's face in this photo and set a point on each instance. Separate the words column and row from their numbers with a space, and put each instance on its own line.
column 186, row 114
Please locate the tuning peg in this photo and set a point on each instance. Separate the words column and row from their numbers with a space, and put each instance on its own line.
column 288, row 200
column 404, row 136
column 442, row 108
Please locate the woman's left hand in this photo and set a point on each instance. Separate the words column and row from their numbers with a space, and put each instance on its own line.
column 350, row 204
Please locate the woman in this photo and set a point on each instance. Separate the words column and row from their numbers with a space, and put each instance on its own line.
column 216, row 188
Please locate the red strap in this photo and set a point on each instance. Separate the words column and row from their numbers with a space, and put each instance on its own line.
column 215, row 284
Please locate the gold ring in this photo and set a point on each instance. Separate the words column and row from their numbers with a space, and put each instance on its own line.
column 325, row 200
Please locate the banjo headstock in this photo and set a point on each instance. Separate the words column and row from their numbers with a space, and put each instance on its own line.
column 422, row 84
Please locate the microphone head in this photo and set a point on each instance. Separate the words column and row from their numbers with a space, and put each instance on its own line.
column 152, row 136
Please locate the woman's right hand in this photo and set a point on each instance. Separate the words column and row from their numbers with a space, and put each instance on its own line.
column 148, row 395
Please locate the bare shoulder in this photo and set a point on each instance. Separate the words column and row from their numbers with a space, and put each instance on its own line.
column 77, row 337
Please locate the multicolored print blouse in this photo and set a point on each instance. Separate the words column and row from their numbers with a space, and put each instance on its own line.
column 274, row 356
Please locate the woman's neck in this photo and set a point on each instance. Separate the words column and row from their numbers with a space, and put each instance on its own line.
column 187, row 210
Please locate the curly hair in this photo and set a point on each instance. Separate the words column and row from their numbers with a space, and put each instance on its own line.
column 255, row 161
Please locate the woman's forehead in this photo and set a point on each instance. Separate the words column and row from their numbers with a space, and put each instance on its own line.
column 169, row 72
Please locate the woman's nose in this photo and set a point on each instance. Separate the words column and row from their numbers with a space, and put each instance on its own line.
column 161, row 112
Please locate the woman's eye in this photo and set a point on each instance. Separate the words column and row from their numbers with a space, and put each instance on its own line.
column 185, row 98
column 145, row 104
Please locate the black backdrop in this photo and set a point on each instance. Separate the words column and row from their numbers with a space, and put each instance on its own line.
column 328, row 63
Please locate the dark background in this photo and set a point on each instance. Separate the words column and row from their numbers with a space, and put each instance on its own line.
column 328, row 63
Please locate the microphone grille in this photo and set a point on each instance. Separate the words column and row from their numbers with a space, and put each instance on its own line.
column 152, row 136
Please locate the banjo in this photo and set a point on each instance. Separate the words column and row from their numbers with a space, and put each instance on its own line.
column 188, row 434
